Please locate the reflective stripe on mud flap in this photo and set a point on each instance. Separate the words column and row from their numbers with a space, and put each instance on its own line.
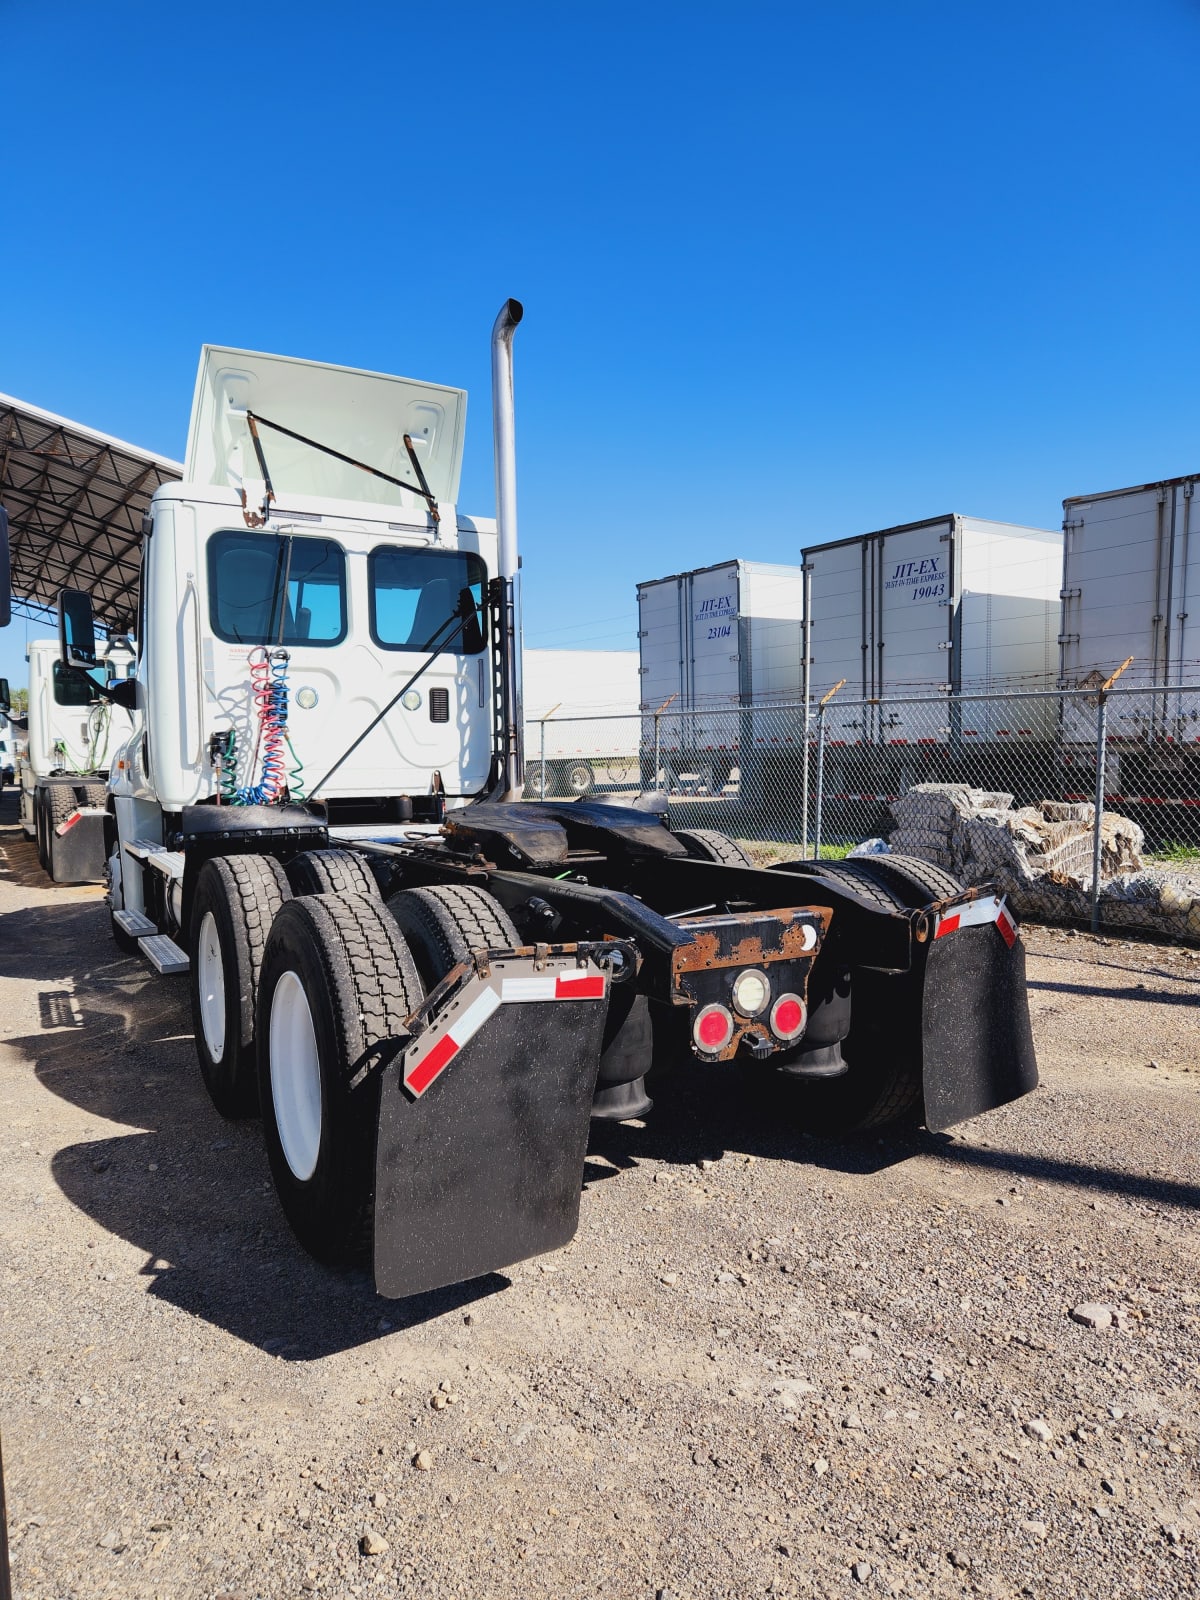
column 991, row 908
column 433, row 1052
column 78, row 816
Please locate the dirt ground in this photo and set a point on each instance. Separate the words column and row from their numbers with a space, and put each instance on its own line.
column 768, row 1364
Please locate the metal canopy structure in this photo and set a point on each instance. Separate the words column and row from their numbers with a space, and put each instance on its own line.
column 75, row 500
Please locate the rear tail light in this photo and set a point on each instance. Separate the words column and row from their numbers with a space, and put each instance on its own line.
column 751, row 992
column 712, row 1029
column 789, row 1017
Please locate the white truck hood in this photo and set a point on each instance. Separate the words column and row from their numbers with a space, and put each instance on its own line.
column 364, row 415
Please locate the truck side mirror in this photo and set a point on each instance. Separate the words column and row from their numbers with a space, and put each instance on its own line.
column 76, row 630
column 5, row 697
column 5, row 573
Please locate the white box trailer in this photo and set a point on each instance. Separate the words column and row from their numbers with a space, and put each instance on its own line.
column 953, row 603
column 580, row 683
column 581, row 721
column 1131, row 586
column 714, row 642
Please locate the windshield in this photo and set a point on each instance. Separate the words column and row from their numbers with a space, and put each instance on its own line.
column 414, row 592
column 266, row 588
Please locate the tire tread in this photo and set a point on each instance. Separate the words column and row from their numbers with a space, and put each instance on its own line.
column 714, row 846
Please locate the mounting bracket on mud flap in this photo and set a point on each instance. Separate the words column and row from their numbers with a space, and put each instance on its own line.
column 484, row 1117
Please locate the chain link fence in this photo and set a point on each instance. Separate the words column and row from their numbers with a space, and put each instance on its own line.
column 1084, row 805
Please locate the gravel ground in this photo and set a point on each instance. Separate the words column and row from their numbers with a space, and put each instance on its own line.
column 768, row 1365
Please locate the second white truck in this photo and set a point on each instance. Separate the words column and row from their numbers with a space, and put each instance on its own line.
column 76, row 724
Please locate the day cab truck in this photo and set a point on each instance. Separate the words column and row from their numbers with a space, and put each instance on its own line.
column 76, row 723
column 427, row 985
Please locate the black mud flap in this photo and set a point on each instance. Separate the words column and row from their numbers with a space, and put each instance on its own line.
column 483, row 1126
column 77, row 852
column 976, row 1034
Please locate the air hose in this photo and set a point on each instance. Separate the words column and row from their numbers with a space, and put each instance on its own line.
column 269, row 697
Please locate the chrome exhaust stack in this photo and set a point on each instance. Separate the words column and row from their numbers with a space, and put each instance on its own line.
column 509, row 775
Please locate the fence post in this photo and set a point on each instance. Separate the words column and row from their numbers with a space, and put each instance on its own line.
column 824, row 701
column 545, row 780
column 805, row 733
column 1101, row 747
column 657, row 721
column 1097, row 836
column 820, row 780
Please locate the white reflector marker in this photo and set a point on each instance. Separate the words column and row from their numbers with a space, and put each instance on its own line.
column 976, row 912
column 430, row 1059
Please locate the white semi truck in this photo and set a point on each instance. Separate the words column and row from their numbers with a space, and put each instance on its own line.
column 427, row 988
column 76, row 724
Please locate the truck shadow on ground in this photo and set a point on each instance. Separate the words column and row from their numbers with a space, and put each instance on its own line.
column 216, row 1246
column 704, row 1113
column 191, row 1192
column 1160, row 996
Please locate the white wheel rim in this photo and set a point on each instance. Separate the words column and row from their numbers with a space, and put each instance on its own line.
column 211, row 980
column 295, row 1077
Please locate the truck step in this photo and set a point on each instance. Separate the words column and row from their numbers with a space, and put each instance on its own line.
column 164, row 955
column 142, row 849
column 135, row 923
column 169, row 862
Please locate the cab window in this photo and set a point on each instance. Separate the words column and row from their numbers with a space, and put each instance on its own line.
column 414, row 593
column 266, row 588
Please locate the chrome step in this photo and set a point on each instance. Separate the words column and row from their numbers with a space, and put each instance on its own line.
column 164, row 955
column 169, row 862
column 140, row 849
column 135, row 923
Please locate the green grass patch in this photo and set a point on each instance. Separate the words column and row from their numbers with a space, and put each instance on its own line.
column 1175, row 851
column 769, row 852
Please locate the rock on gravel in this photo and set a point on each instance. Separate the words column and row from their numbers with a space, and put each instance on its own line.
column 372, row 1543
column 1092, row 1315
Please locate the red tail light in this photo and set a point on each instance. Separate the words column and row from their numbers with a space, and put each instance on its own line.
column 789, row 1017
column 712, row 1029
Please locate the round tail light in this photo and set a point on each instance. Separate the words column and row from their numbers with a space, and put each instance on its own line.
column 789, row 1017
column 751, row 992
column 712, row 1029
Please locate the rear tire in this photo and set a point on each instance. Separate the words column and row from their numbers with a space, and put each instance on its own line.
column 706, row 844
column 338, row 984
column 331, row 872
column 236, row 900
column 445, row 926
column 917, row 882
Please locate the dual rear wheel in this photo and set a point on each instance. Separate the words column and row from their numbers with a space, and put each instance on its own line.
column 301, row 985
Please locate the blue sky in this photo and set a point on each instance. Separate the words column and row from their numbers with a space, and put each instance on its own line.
column 790, row 272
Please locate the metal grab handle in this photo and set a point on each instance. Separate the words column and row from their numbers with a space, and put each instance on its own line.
column 194, row 592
